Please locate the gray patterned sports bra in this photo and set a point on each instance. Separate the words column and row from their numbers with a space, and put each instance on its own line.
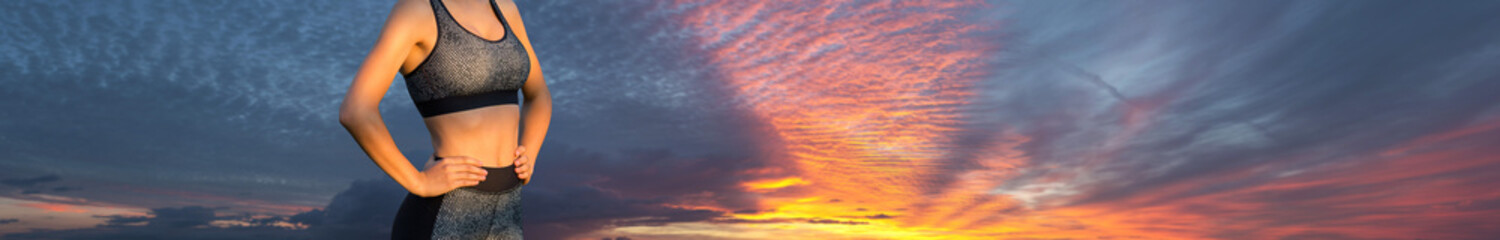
column 465, row 71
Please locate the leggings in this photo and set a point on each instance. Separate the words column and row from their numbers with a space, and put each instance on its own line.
column 490, row 210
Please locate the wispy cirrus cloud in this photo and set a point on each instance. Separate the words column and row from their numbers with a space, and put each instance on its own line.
column 868, row 99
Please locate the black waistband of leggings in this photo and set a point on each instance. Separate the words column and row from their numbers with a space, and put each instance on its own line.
column 498, row 178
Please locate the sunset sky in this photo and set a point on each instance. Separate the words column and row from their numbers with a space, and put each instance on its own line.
column 809, row 119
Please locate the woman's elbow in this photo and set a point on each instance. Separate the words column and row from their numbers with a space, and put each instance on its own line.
column 346, row 118
column 537, row 95
column 351, row 115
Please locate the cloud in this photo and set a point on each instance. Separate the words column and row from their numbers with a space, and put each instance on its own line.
column 565, row 213
column 35, row 185
column 363, row 211
column 29, row 182
column 191, row 222
column 868, row 103
column 65, row 189
column 1250, row 116
column 583, row 191
column 1212, row 115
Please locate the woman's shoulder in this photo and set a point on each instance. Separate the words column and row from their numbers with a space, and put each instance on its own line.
column 412, row 15
column 412, row 7
column 507, row 5
column 512, row 15
column 503, row 3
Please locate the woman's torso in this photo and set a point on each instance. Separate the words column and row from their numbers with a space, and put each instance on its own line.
column 488, row 133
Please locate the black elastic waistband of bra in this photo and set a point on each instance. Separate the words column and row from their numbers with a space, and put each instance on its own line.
column 451, row 104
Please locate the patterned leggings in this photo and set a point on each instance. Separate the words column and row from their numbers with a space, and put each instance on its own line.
column 491, row 210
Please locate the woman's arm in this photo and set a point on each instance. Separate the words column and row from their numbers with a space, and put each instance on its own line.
column 360, row 113
column 537, row 111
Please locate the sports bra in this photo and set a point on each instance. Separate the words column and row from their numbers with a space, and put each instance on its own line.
column 465, row 71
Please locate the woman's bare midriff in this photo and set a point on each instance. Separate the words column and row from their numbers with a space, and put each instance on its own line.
column 488, row 134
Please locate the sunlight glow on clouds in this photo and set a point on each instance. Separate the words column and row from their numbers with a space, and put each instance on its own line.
column 866, row 96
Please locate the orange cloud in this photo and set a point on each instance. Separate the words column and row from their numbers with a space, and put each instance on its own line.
column 41, row 214
column 773, row 184
column 54, row 207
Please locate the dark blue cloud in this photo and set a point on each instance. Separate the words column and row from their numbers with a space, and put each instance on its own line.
column 1128, row 100
column 1240, row 84
column 29, row 182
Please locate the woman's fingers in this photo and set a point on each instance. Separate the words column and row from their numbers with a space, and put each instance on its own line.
column 524, row 172
column 465, row 183
column 464, row 169
column 462, row 164
column 465, row 179
column 468, row 171
column 520, row 157
column 471, row 177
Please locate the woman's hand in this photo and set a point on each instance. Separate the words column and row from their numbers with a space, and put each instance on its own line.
column 450, row 173
column 523, row 165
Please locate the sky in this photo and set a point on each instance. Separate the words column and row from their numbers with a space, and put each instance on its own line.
column 818, row 119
